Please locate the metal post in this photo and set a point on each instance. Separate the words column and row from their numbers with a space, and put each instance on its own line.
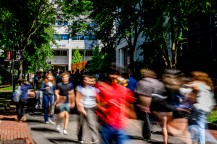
column 13, row 82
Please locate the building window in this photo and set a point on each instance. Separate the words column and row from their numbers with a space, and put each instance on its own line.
column 89, row 53
column 65, row 23
column 59, row 23
column 64, row 37
column 60, row 52
column 85, row 52
column 83, row 37
column 61, row 36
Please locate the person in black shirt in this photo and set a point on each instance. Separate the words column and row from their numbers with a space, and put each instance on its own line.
column 65, row 99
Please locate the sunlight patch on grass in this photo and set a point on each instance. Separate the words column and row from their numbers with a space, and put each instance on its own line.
column 6, row 88
column 212, row 116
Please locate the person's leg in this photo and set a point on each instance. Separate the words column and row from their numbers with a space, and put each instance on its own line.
column 106, row 133
column 37, row 99
column 81, row 120
column 52, row 106
column 66, row 121
column 121, row 137
column 164, row 129
column 92, row 123
column 146, row 129
column 178, row 127
column 201, row 122
column 193, row 129
column 22, row 109
column 18, row 109
column 40, row 99
column 46, row 103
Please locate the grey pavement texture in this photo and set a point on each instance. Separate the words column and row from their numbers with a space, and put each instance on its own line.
column 47, row 134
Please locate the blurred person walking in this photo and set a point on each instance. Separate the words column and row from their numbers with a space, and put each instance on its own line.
column 65, row 99
column 148, row 85
column 202, row 85
column 86, row 105
column 114, row 107
column 37, row 86
column 48, row 88
column 178, row 125
column 24, row 87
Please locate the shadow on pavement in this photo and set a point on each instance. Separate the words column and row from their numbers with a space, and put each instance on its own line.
column 135, row 137
column 33, row 121
column 62, row 140
column 46, row 130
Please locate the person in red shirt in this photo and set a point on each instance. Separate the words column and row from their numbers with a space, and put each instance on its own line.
column 114, row 106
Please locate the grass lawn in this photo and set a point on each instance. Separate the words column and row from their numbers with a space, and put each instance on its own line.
column 213, row 116
column 6, row 88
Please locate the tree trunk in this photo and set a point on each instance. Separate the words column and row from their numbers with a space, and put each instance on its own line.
column 20, row 70
column 131, row 53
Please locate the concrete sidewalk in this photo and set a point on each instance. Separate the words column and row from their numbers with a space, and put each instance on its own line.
column 47, row 134
column 35, row 131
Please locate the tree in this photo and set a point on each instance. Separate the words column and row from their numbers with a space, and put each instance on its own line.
column 170, row 22
column 29, row 28
column 76, row 57
column 96, row 64
column 160, row 22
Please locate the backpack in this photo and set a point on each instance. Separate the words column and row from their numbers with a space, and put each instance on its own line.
column 16, row 94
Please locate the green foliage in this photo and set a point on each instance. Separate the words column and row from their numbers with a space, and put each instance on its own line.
column 8, row 88
column 212, row 116
column 97, row 61
column 26, row 25
column 76, row 57
column 158, row 21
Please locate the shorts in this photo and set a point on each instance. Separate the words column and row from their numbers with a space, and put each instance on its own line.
column 63, row 107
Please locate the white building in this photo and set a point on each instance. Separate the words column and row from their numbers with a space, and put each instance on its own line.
column 66, row 44
column 122, row 52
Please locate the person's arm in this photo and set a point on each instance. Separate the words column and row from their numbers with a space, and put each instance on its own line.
column 42, row 86
column 71, row 98
column 29, row 86
column 56, row 92
column 78, row 99
column 101, row 105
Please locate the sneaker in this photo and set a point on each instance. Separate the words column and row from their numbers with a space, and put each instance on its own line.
column 65, row 132
column 47, row 122
column 52, row 122
column 59, row 129
column 81, row 142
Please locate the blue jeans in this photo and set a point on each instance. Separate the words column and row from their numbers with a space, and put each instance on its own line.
column 201, row 123
column 108, row 133
column 48, row 101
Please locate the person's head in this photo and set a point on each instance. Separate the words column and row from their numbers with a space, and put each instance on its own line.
column 22, row 81
column 40, row 74
column 148, row 73
column 112, row 73
column 49, row 78
column 65, row 77
column 88, row 79
column 173, row 79
column 203, row 77
column 125, row 75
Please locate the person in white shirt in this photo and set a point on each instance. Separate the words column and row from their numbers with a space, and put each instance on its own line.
column 86, row 103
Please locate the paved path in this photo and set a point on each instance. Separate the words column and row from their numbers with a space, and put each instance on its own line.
column 47, row 133
column 34, row 131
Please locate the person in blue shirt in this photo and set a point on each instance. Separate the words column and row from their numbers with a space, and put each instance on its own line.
column 131, row 82
column 48, row 88
column 24, row 86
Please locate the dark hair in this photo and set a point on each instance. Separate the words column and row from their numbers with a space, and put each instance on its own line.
column 112, row 70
